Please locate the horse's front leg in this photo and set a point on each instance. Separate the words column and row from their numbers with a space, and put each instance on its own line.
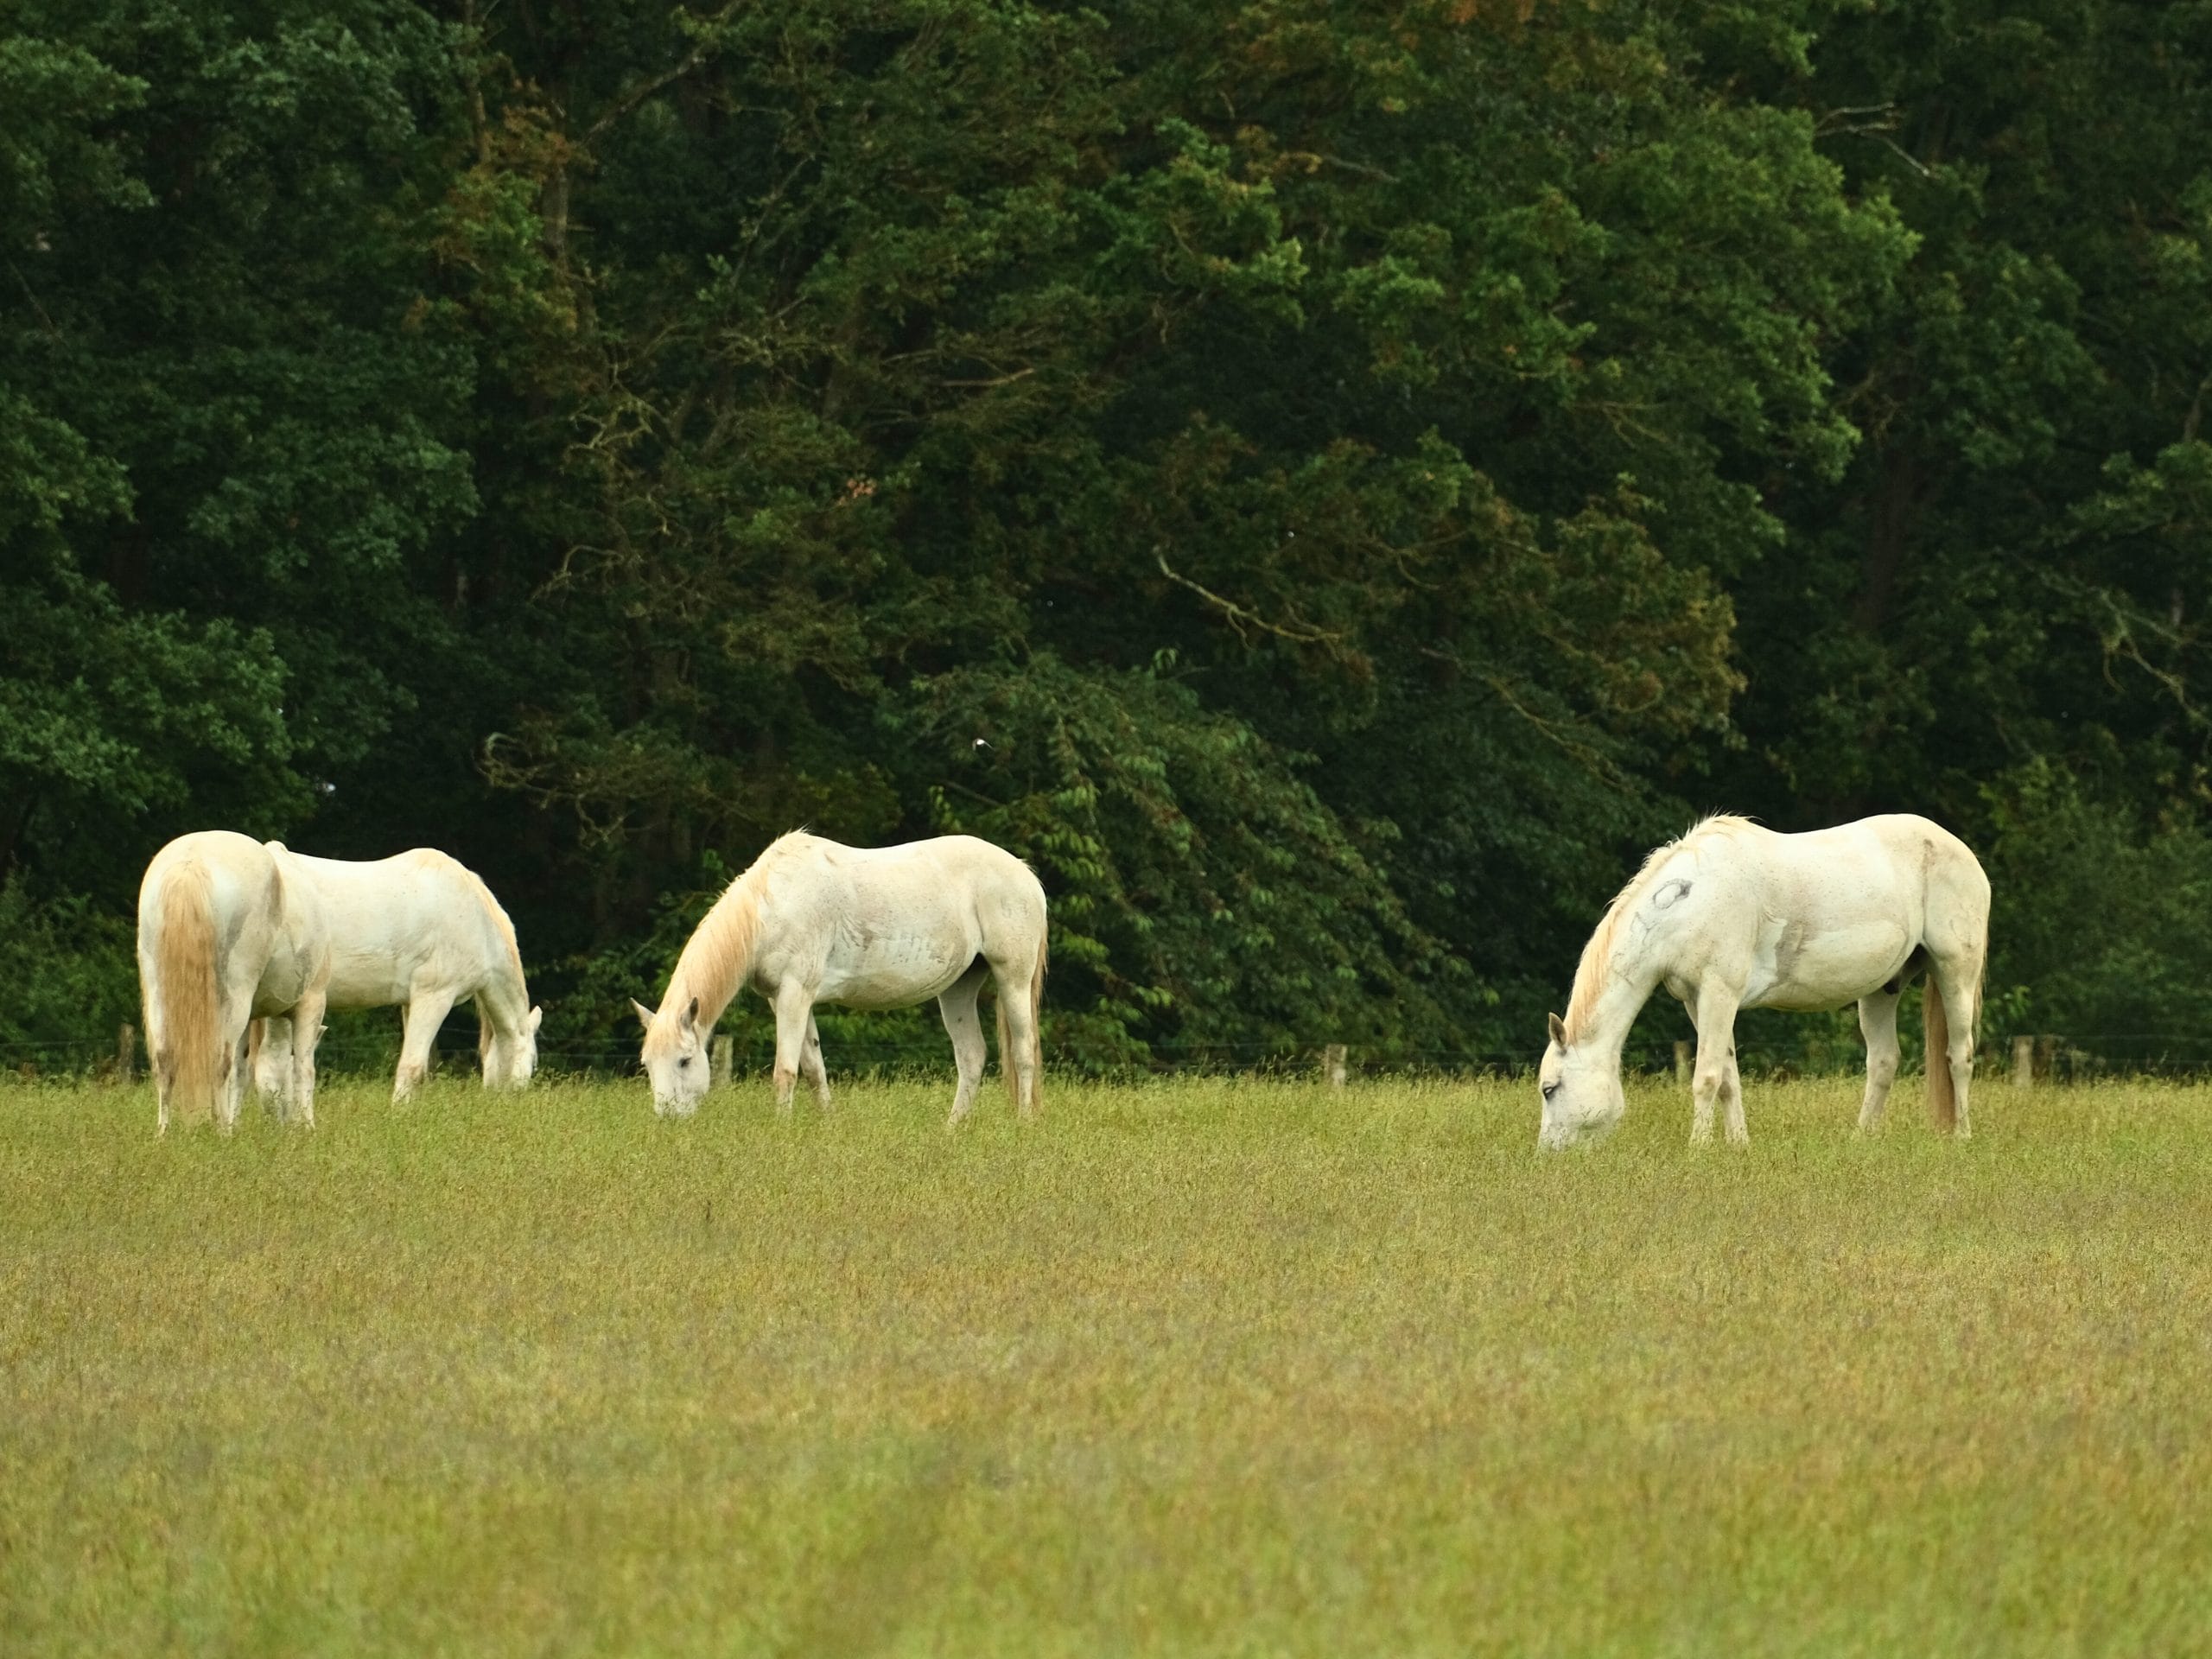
column 794, row 1020
column 957, row 1007
column 269, row 1043
column 1877, row 1023
column 811, row 1065
column 1715, row 1082
column 426, row 1012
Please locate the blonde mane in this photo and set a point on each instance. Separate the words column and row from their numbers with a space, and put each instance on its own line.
column 1591, row 973
column 719, row 955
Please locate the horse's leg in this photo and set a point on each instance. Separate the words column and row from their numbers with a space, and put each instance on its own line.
column 272, row 1065
column 957, row 1006
column 231, row 1093
column 1878, row 1024
column 1715, row 1081
column 794, row 1019
column 426, row 1012
column 1955, row 982
column 1018, row 1017
column 307, row 1031
column 234, row 1016
column 810, row 1063
column 157, row 1037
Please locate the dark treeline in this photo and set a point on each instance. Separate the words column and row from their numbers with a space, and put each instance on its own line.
column 1329, row 484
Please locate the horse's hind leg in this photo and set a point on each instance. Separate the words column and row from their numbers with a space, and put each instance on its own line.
column 307, row 1031
column 426, row 1012
column 1877, row 1023
column 1017, row 1049
column 957, row 1006
column 810, row 1064
column 1957, row 982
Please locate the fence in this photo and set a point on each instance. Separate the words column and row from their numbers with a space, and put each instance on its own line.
column 2027, row 1060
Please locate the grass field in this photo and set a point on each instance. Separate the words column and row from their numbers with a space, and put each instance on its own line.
column 1207, row 1367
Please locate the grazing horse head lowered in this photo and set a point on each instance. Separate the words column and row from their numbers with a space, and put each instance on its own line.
column 1735, row 916
column 814, row 921
column 422, row 931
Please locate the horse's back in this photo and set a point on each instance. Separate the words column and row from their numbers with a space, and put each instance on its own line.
column 1894, row 870
column 228, row 858
column 887, row 926
column 393, row 920
column 954, row 869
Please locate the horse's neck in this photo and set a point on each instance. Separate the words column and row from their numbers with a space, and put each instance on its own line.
column 716, row 975
column 503, row 998
column 1630, row 978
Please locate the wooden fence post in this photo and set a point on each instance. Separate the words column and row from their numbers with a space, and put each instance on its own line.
column 1333, row 1063
column 126, row 1053
column 1681, row 1062
column 725, row 1051
column 2047, row 1050
column 2023, row 1062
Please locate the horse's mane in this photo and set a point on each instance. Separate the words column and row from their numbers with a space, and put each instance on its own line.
column 719, row 954
column 1591, row 973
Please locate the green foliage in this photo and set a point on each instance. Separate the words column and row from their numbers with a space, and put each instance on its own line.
column 2102, row 931
column 71, row 979
column 1367, row 472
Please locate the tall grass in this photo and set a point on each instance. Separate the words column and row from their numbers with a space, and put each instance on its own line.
column 1208, row 1367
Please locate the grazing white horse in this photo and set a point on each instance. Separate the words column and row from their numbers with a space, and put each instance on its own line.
column 813, row 921
column 1735, row 916
column 419, row 929
column 228, row 928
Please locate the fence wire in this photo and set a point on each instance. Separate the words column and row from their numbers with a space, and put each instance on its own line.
column 2063, row 1057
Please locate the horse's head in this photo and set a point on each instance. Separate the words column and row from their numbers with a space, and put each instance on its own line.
column 1581, row 1089
column 675, row 1056
column 510, row 1062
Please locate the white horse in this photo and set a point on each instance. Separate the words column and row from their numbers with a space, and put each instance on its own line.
column 419, row 929
column 1735, row 916
column 228, row 930
column 813, row 921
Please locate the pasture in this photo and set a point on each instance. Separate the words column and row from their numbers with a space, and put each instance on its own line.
column 1189, row 1367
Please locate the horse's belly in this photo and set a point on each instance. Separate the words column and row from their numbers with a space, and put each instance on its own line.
column 894, row 972
column 1806, row 971
column 366, row 980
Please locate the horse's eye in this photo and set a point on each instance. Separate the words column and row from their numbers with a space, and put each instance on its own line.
column 1550, row 1088
column 686, row 1060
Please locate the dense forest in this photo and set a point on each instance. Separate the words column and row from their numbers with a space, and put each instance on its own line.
column 1330, row 484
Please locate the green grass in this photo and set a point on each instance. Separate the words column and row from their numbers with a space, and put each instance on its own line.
column 1199, row 1367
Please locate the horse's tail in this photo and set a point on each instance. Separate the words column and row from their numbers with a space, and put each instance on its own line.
column 1036, row 1036
column 191, row 1056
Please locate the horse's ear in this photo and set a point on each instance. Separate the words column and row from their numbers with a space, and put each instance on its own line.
column 645, row 1014
column 1558, row 1030
column 691, row 1015
column 537, row 1016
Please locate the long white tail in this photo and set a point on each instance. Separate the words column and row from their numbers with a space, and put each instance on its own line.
column 191, row 1060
